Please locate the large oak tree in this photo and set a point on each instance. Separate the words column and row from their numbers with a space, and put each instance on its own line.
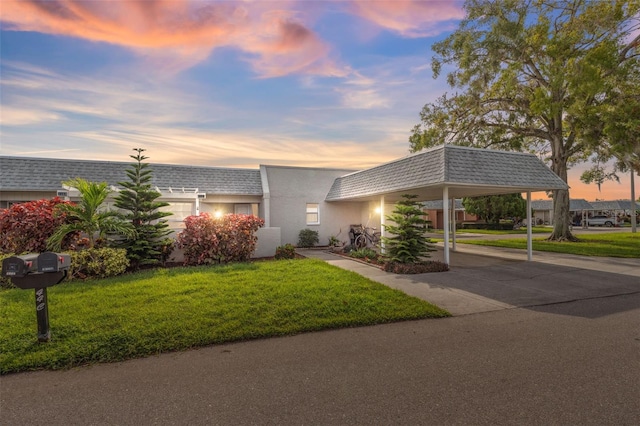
column 527, row 76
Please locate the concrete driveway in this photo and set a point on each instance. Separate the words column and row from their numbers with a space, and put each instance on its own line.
column 484, row 279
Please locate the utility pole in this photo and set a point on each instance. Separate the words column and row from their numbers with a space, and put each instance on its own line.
column 634, row 225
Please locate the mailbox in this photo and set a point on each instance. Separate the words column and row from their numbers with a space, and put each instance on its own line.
column 53, row 262
column 38, row 271
column 19, row 266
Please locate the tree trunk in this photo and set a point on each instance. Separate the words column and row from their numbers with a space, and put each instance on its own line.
column 561, row 215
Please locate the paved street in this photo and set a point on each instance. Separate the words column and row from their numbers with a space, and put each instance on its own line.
column 532, row 343
column 567, row 364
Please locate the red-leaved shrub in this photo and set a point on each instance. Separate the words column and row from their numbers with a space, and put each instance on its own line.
column 230, row 238
column 25, row 227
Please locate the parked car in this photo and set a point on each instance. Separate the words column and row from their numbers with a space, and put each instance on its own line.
column 603, row 221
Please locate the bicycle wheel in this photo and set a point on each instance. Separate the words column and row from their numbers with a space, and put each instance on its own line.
column 361, row 241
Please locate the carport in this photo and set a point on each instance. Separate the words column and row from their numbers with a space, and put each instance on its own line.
column 447, row 172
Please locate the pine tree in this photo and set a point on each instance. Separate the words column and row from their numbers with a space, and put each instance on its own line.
column 409, row 243
column 138, row 199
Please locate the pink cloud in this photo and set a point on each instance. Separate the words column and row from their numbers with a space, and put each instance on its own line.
column 181, row 33
column 286, row 46
column 410, row 18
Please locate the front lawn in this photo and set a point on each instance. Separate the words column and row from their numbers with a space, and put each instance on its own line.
column 606, row 244
column 162, row 310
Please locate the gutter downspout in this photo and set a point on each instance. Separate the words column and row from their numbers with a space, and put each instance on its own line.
column 265, row 196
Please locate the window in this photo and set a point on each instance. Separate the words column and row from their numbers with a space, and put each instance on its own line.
column 242, row 208
column 313, row 214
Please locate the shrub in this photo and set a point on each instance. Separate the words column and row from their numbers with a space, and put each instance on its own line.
column 25, row 227
column 415, row 268
column 308, row 238
column 166, row 247
column 237, row 237
column 227, row 239
column 198, row 240
column 364, row 253
column 334, row 241
column 98, row 263
column 348, row 248
column 287, row 251
column 408, row 243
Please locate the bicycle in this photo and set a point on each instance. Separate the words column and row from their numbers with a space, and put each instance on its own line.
column 366, row 236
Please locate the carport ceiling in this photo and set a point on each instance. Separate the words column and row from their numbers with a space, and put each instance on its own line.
column 466, row 172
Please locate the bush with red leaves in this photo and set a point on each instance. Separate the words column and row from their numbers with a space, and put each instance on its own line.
column 25, row 227
column 228, row 239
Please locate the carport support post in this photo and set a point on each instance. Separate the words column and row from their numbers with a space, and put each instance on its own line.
column 445, row 217
column 529, row 230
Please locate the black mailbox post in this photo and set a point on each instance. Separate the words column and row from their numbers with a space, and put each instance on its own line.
column 38, row 271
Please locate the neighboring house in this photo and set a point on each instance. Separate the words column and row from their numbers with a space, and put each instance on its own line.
column 434, row 213
column 615, row 207
column 543, row 210
column 581, row 209
column 290, row 199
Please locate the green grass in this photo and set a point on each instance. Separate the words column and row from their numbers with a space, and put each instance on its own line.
column 606, row 244
column 164, row 310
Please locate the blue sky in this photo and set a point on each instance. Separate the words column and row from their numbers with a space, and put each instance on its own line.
column 223, row 83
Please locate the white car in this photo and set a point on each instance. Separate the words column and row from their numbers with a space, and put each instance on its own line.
column 603, row 221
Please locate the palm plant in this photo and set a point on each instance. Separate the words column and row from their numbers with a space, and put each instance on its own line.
column 87, row 217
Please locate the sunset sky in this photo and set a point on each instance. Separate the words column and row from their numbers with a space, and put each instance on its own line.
column 224, row 83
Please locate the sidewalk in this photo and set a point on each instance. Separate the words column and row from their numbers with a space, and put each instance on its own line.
column 484, row 279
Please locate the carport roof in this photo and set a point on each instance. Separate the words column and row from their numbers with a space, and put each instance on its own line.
column 464, row 171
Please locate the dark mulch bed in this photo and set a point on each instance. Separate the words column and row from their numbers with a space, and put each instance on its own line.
column 415, row 268
column 400, row 268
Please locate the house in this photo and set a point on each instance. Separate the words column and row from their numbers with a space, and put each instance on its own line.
column 434, row 211
column 543, row 210
column 290, row 199
column 581, row 209
column 615, row 207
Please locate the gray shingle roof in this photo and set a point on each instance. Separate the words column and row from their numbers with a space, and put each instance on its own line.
column 575, row 204
column 466, row 171
column 614, row 205
column 39, row 174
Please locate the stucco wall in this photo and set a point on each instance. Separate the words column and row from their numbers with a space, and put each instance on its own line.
column 291, row 188
column 268, row 240
column 22, row 196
